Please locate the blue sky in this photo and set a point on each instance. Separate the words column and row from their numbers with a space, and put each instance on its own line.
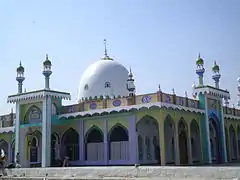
column 159, row 39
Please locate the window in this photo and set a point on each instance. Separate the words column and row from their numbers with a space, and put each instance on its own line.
column 86, row 87
column 107, row 84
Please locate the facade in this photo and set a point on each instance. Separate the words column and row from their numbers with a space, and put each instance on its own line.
column 112, row 125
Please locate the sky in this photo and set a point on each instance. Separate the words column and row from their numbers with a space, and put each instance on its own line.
column 159, row 39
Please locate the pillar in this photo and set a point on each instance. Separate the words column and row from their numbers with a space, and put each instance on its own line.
column 17, row 132
column 105, row 141
column 162, row 142
column 225, row 159
column 46, row 131
column 207, row 131
column 236, row 138
column 132, row 139
column 190, row 158
column 81, row 142
column 177, row 157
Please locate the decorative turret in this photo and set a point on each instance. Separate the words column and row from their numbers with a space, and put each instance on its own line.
column 216, row 74
column 47, row 71
column 238, row 88
column 200, row 70
column 130, row 84
column 106, row 57
column 20, row 77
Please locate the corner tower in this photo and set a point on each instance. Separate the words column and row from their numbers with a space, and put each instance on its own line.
column 20, row 77
column 47, row 64
column 212, row 123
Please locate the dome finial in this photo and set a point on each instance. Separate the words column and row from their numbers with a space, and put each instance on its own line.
column 105, row 48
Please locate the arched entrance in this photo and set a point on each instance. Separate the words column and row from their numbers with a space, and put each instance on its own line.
column 238, row 138
column 195, row 142
column 169, row 140
column 55, row 155
column 94, row 145
column 233, row 145
column 70, row 142
column 118, row 143
column 227, row 143
column 214, row 141
column 4, row 146
column 35, row 148
column 148, row 140
column 183, row 143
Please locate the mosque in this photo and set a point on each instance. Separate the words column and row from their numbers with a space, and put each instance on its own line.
column 112, row 125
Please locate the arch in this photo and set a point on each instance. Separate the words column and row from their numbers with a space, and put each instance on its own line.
column 33, row 114
column 169, row 139
column 238, row 139
column 118, row 133
column 118, row 143
column 70, row 140
column 214, row 139
column 94, row 144
column 35, row 147
column 195, row 141
column 183, row 142
column 56, row 137
column 54, row 109
column 94, row 134
column 55, row 141
column 233, row 145
column 148, row 140
column 4, row 146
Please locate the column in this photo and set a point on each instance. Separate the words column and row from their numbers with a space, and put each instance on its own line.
column 9, row 153
column 207, row 130
column 17, row 132
column 132, row 139
column 81, row 141
column 177, row 157
column 236, row 138
column 162, row 142
column 190, row 158
column 105, row 140
column 46, row 131
column 223, row 132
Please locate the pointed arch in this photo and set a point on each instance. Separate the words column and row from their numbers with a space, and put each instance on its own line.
column 70, row 141
column 195, row 141
column 56, row 137
column 148, row 140
column 94, row 134
column 233, row 146
column 33, row 115
column 169, row 139
column 118, row 143
column 94, row 145
column 118, row 133
column 183, row 141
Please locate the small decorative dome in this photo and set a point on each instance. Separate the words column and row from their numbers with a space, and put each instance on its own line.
column 20, row 68
column 199, row 60
column 47, row 62
column 215, row 67
column 238, row 79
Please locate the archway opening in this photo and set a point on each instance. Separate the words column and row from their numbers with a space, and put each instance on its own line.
column 118, row 143
column 4, row 146
column 71, row 144
column 94, row 145
column 169, row 139
column 183, row 144
column 233, row 145
column 34, row 150
column 238, row 136
column 214, row 141
column 195, row 142
column 148, row 140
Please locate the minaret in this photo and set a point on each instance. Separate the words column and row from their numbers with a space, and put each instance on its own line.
column 20, row 77
column 200, row 70
column 47, row 71
column 130, row 84
column 238, row 88
column 216, row 74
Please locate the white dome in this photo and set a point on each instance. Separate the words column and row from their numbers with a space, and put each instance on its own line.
column 103, row 78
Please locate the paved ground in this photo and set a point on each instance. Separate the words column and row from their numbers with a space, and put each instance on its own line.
column 226, row 171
